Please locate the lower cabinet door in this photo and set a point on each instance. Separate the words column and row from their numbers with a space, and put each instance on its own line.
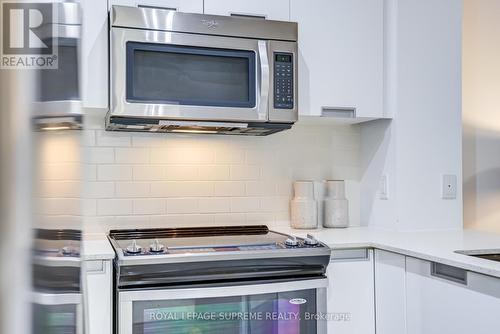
column 443, row 299
column 351, row 304
column 390, row 292
column 98, row 287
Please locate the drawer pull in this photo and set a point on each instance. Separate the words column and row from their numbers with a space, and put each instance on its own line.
column 349, row 254
column 338, row 112
column 248, row 16
column 450, row 273
column 157, row 7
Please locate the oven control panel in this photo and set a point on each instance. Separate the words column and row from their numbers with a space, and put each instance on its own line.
column 283, row 81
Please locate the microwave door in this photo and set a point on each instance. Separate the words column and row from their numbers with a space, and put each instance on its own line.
column 169, row 75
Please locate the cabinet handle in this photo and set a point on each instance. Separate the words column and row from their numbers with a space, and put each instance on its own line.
column 450, row 273
column 157, row 7
column 249, row 16
column 349, row 254
column 338, row 112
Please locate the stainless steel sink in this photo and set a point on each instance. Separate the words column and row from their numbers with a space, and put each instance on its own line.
column 487, row 254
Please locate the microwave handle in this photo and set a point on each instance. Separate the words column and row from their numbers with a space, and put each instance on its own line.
column 264, row 79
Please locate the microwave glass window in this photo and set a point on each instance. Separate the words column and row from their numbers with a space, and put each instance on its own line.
column 271, row 313
column 190, row 76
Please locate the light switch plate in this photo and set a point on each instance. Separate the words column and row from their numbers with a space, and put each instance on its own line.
column 383, row 188
column 449, row 186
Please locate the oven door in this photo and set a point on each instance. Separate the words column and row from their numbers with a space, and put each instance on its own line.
column 57, row 313
column 274, row 308
column 173, row 75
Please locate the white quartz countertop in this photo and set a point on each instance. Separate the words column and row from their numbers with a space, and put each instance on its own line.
column 97, row 247
column 432, row 245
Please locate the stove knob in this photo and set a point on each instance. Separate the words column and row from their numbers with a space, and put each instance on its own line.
column 291, row 241
column 133, row 248
column 67, row 250
column 310, row 240
column 156, row 247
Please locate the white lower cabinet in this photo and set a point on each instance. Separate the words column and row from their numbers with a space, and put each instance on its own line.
column 390, row 292
column 98, row 290
column 443, row 299
column 351, row 292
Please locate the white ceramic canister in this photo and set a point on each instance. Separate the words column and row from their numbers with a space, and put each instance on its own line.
column 336, row 206
column 303, row 207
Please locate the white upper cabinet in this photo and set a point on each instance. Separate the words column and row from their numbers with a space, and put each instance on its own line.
column 188, row 6
column 341, row 57
column 95, row 54
column 351, row 292
column 269, row 9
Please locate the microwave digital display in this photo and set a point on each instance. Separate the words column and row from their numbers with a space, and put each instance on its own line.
column 283, row 58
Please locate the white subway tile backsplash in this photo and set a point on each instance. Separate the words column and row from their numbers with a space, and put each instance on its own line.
column 214, row 204
column 142, row 180
column 148, row 173
column 213, row 172
column 59, row 189
column 99, row 155
column 114, row 207
column 245, row 204
column 60, row 171
column 132, row 155
column 99, row 190
column 182, row 189
column 274, row 203
column 149, row 206
column 260, row 188
column 245, row 172
column 181, row 172
column 187, row 155
column 113, row 139
column 132, row 189
column 114, row 173
column 229, row 188
column 229, row 155
column 59, row 206
column 182, row 205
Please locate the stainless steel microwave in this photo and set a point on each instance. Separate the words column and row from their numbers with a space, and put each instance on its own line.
column 181, row 72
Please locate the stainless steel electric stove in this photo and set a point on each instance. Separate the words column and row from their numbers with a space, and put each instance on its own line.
column 222, row 279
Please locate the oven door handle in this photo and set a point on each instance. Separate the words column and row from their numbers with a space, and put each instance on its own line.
column 221, row 291
column 264, row 80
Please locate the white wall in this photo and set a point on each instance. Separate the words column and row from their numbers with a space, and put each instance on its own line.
column 141, row 180
column 481, row 115
column 423, row 142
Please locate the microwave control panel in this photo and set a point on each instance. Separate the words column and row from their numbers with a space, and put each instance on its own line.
column 283, row 81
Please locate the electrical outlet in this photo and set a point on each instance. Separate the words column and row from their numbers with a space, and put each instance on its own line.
column 383, row 188
column 449, row 187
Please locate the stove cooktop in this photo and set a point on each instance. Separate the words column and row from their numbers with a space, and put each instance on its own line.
column 211, row 255
column 195, row 240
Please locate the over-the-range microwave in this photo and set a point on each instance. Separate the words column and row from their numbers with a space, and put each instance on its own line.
column 182, row 72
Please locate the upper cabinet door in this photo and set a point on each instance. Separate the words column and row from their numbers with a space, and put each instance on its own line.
column 340, row 56
column 188, row 6
column 95, row 54
column 269, row 9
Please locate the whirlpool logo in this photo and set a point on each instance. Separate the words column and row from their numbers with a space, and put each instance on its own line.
column 28, row 35
column 297, row 301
